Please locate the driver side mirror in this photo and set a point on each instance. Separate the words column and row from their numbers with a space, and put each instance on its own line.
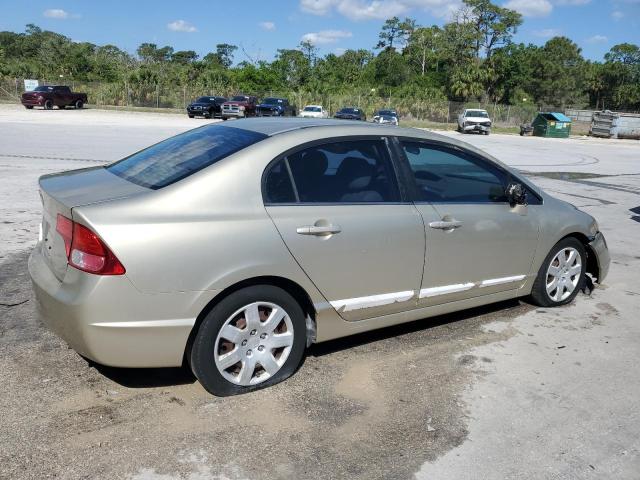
column 516, row 194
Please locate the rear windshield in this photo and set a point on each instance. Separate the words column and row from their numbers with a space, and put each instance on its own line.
column 178, row 157
column 311, row 109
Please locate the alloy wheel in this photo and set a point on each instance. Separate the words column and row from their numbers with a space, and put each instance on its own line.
column 253, row 343
column 563, row 274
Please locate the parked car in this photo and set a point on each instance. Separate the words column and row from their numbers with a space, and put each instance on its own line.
column 526, row 129
column 275, row 107
column 208, row 107
column 386, row 116
column 240, row 106
column 350, row 113
column 474, row 120
column 314, row 111
column 237, row 246
column 48, row 96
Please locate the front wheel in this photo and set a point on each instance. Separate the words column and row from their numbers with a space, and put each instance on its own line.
column 561, row 275
column 252, row 339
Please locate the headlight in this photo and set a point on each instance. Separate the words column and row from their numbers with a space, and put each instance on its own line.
column 241, row 107
column 594, row 228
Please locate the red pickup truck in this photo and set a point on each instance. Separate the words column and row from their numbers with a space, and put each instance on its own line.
column 239, row 106
column 48, row 96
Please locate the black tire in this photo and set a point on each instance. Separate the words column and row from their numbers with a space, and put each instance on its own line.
column 203, row 348
column 48, row 105
column 29, row 107
column 79, row 104
column 539, row 295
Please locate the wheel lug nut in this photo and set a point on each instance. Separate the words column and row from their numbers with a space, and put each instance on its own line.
column 253, row 332
column 263, row 336
column 249, row 353
column 260, row 348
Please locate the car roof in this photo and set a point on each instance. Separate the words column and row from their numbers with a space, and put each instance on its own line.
column 275, row 126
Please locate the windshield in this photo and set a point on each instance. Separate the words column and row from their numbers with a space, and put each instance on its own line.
column 272, row 101
column 312, row 109
column 43, row 89
column 205, row 100
column 387, row 112
column 477, row 113
column 240, row 98
column 349, row 110
column 178, row 157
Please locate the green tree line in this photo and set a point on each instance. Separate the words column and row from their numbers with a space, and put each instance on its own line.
column 471, row 58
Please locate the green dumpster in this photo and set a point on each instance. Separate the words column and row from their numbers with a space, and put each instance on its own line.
column 551, row 124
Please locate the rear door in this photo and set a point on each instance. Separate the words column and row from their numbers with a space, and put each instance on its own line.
column 476, row 243
column 344, row 220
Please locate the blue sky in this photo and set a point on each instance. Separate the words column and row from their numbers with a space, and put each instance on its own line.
column 262, row 26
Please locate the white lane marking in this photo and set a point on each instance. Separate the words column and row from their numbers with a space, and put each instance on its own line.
column 445, row 289
column 499, row 281
column 349, row 304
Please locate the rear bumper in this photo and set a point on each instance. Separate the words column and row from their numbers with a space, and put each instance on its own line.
column 599, row 247
column 106, row 319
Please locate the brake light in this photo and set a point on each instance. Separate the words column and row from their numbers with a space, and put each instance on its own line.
column 85, row 250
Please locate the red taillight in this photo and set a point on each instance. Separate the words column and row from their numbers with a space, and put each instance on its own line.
column 85, row 250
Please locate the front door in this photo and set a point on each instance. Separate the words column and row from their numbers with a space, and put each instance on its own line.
column 476, row 243
column 344, row 221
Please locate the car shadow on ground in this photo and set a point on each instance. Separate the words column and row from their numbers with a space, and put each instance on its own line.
column 164, row 377
column 146, row 377
column 372, row 336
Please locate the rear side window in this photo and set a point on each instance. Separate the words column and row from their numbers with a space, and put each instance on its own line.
column 277, row 185
column 443, row 175
column 357, row 171
column 180, row 156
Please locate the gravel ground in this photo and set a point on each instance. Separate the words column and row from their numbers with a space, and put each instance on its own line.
column 505, row 391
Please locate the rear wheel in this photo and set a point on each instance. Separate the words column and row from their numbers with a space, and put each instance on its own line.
column 561, row 275
column 252, row 339
column 79, row 104
column 48, row 105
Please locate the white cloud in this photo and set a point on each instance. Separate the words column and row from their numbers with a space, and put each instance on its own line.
column 597, row 39
column 269, row 26
column 339, row 51
column 181, row 26
column 531, row 8
column 617, row 15
column 56, row 13
column 547, row 33
column 378, row 9
column 325, row 36
column 572, row 2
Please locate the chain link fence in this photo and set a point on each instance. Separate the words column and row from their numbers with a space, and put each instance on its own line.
column 172, row 96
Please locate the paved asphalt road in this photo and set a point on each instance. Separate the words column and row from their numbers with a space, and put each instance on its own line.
column 503, row 392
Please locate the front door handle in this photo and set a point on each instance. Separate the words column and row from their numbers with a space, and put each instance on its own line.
column 446, row 225
column 318, row 230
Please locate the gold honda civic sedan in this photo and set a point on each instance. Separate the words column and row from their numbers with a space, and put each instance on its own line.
column 233, row 248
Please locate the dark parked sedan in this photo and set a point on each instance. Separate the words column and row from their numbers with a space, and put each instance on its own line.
column 275, row 107
column 207, row 107
column 350, row 113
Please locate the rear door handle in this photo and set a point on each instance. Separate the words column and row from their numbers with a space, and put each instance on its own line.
column 318, row 230
column 446, row 225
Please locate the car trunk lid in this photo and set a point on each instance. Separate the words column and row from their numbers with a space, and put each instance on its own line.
column 61, row 192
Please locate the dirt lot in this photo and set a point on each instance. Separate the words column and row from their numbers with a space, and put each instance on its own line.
column 507, row 391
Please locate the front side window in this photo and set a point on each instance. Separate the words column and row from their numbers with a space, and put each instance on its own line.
column 180, row 156
column 443, row 175
column 357, row 171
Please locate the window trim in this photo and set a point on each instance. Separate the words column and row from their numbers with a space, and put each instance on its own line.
column 386, row 139
column 482, row 161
